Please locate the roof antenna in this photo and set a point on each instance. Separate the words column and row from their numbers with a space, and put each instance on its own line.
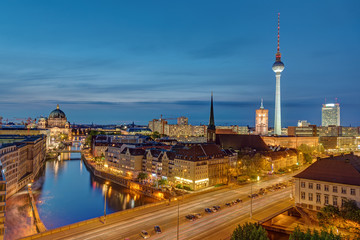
column 262, row 104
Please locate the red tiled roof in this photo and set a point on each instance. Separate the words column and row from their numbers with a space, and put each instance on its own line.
column 344, row 169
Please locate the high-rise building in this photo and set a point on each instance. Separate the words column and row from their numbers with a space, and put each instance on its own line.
column 211, row 130
column 261, row 120
column 278, row 67
column 182, row 120
column 330, row 114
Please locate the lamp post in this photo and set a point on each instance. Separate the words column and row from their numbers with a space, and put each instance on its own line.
column 106, row 191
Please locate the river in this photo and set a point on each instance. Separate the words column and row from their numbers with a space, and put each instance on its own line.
column 66, row 192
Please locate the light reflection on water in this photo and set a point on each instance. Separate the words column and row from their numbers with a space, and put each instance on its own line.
column 68, row 193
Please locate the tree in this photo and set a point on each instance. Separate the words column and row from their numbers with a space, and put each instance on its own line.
column 249, row 231
column 315, row 235
column 142, row 176
column 327, row 214
column 155, row 135
column 162, row 182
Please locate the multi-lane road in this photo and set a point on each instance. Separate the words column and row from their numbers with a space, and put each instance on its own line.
column 217, row 225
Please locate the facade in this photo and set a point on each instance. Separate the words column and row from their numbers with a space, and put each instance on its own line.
column 330, row 114
column 261, row 120
column 329, row 181
column 2, row 203
column 182, row 120
column 303, row 131
column 127, row 161
column 278, row 67
column 282, row 159
column 21, row 160
column 290, row 142
column 201, row 165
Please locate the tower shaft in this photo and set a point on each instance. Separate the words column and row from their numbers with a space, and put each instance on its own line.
column 277, row 124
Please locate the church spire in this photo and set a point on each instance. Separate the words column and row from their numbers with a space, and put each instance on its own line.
column 212, row 121
column 211, row 129
column 57, row 107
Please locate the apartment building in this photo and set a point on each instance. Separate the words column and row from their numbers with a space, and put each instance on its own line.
column 329, row 181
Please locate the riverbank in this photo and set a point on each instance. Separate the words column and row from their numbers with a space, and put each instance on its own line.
column 124, row 182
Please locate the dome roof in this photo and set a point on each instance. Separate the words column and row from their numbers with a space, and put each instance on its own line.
column 57, row 113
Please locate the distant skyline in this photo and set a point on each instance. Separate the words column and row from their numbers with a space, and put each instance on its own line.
column 116, row 62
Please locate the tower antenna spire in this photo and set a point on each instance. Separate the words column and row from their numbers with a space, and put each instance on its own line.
column 278, row 54
column 278, row 47
column 262, row 104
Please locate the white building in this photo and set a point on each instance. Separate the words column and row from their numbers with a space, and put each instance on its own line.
column 330, row 114
column 329, row 181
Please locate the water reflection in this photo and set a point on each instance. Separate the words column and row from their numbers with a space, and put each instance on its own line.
column 68, row 193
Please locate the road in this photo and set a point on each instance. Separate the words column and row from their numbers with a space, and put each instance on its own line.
column 211, row 226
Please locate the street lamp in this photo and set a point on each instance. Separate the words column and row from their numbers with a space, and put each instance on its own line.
column 106, row 191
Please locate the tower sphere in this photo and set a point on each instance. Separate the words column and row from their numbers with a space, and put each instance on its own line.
column 278, row 67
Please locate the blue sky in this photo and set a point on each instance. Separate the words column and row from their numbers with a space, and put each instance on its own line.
column 124, row 61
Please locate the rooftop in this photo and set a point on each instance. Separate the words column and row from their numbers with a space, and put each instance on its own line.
column 343, row 169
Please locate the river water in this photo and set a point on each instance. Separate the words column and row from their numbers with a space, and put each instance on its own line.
column 66, row 192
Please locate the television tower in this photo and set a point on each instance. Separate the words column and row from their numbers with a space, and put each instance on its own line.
column 278, row 67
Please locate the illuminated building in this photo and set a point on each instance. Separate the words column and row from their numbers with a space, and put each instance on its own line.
column 21, row 159
column 2, row 203
column 278, row 67
column 330, row 114
column 261, row 120
column 182, row 120
column 211, row 130
column 329, row 181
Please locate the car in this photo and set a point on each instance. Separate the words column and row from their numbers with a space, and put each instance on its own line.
column 144, row 234
column 228, row 204
column 157, row 229
column 239, row 200
column 208, row 210
column 213, row 209
column 198, row 215
column 216, row 208
column 234, row 202
column 190, row 217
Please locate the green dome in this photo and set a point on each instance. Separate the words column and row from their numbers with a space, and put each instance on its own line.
column 57, row 113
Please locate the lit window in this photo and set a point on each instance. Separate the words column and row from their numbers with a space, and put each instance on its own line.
column 310, row 196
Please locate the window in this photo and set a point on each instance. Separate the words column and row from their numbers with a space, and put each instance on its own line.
column 303, row 195
column 335, row 200
column 352, row 191
column 310, row 196
column 343, row 190
column 310, row 186
column 318, row 198
column 326, row 199
column 326, row 188
column 303, row 184
column 310, row 207
column 318, row 187
column 334, row 188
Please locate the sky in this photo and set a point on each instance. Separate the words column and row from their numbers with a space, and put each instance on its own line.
column 122, row 61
